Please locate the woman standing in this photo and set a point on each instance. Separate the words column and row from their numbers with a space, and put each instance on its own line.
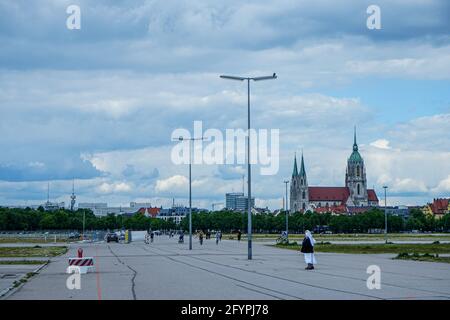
column 308, row 250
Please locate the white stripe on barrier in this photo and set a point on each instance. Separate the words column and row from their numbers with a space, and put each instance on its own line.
column 84, row 265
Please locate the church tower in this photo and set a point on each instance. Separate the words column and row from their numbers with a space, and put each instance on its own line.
column 299, row 188
column 355, row 177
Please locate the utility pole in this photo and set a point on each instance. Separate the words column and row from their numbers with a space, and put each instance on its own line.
column 286, row 182
column 385, row 216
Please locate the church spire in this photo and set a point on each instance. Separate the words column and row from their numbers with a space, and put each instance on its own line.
column 295, row 171
column 302, row 167
column 355, row 145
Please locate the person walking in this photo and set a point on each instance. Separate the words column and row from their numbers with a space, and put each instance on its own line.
column 239, row 235
column 152, row 236
column 308, row 250
column 201, row 237
column 217, row 237
column 181, row 238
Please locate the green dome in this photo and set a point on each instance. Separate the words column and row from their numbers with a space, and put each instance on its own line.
column 355, row 157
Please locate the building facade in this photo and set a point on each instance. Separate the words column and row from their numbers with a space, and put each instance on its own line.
column 333, row 199
column 238, row 201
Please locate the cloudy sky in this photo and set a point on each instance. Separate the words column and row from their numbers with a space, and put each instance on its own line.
column 99, row 104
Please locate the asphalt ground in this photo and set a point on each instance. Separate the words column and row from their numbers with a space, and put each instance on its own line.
column 165, row 269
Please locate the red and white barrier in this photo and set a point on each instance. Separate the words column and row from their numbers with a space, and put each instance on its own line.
column 83, row 265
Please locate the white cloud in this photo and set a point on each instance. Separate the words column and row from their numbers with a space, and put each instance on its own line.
column 443, row 187
column 172, row 183
column 117, row 187
column 408, row 185
column 381, row 144
column 36, row 164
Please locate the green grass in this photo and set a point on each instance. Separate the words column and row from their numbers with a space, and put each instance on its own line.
column 30, row 240
column 24, row 279
column 375, row 248
column 352, row 236
column 35, row 251
column 22, row 262
column 424, row 257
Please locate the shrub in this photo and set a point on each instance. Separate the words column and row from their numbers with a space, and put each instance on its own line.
column 403, row 255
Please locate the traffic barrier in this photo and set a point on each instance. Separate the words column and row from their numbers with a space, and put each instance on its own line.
column 84, row 265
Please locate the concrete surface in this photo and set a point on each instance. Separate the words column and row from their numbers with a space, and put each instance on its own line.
column 11, row 273
column 168, row 270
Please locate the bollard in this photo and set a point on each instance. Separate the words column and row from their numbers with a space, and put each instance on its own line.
column 80, row 253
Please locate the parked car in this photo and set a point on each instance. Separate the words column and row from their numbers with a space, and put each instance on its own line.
column 112, row 237
column 74, row 235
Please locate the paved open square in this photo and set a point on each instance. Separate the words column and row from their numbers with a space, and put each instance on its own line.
column 165, row 269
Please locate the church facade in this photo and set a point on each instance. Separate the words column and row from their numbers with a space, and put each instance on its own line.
column 354, row 197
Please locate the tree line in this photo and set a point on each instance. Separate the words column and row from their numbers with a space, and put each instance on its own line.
column 36, row 220
column 226, row 221
column 229, row 221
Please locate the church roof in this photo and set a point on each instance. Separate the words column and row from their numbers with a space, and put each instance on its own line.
column 295, row 171
column 151, row 211
column 302, row 167
column 372, row 195
column 328, row 194
column 340, row 194
column 355, row 157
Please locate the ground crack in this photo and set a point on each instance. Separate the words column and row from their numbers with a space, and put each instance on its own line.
column 133, row 284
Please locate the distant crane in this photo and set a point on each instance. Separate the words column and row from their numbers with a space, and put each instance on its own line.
column 216, row 204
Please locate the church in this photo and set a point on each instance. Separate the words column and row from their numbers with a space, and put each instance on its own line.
column 353, row 198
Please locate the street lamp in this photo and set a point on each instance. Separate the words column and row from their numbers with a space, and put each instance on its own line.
column 286, row 182
column 249, row 231
column 385, row 216
column 190, row 185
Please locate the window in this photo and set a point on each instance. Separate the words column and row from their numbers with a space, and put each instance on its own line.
column 359, row 191
column 304, row 206
column 303, row 195
column 357, row 171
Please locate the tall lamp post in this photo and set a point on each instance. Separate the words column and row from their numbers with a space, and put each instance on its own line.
column 385, row 216
column 249, row 207
column 190, row 184
column 286, row 182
